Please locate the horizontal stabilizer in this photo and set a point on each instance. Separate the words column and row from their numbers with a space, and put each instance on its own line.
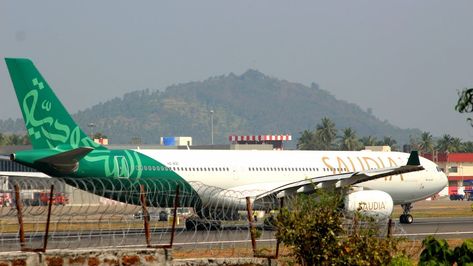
column 52, row 162
column 72, row 156
column 65, row 162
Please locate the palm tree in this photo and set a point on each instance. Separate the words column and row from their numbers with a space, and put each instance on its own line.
column 349, row 141
column 457, row 145
column 325, row 134
column 445, row 143
column 468, row 146
column 388, row 141
column 369, row 141
column 307, row 141
column 426, row 143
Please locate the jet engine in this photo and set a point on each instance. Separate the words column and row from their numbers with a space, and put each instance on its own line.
column 372, row 203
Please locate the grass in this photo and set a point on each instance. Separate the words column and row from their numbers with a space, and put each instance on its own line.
column 438, row 208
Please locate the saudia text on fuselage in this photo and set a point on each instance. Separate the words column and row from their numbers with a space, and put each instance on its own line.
column 359, row 163
column 371, row 206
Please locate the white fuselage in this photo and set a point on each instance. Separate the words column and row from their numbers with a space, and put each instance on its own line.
column 265, row 170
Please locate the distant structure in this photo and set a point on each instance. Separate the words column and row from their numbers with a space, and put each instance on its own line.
column 378, row 148
column 275, row 140
column 176, row 141
column 102, row 141
column 459, row 169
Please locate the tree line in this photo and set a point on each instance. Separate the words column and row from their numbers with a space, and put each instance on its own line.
column 325, row 137
column 13, row 139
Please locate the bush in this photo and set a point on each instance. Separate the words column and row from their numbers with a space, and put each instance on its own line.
column 464, row 253
column 313, row 227
column 437, row 252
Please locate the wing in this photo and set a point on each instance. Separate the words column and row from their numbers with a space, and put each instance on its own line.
column 24, row 174
column 344, row 179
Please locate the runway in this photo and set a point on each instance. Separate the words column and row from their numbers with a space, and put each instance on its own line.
column 449, row 228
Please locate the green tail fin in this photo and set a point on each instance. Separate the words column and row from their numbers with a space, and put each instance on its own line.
column 47, row 122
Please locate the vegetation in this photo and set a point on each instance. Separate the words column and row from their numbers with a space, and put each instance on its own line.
column 13, row 139
column 465, row 102
column 324, row 138
column 437, row 252
column 312, row 227
column 349, row 140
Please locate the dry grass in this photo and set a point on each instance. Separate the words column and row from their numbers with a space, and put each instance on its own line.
column 439, row 208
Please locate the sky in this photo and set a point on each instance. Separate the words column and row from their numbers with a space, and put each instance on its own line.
column 405, row 60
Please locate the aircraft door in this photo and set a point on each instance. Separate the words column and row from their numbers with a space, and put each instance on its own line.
column 121, row 167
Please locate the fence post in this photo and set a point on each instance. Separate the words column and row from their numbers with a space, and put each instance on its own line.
column 176, row 205
column 390, row 224
column 145, row 215
column 249, row 210
column 281, row 205
column 46, row 233
column 20, row 216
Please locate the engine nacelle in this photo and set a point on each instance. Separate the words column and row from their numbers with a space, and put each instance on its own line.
column 372, row 203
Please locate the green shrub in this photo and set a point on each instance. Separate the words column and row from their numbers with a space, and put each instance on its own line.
column 464, row 253
column 312, row 226
column 401, row 260
column 436, row 252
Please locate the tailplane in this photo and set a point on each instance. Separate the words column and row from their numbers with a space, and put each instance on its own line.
column 47, row 122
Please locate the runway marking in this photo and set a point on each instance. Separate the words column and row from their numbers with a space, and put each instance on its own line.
column 434, row 234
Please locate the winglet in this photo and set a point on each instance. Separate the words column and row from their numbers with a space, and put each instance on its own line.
column 413, row 158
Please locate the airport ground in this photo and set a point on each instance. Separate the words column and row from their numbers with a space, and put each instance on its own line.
column 451, row 220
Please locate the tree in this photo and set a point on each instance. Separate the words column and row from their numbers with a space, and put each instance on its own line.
column 457, row 145
column 307, row 141
column 445, row 143
column 388, row 141
column 312, row 226
column 426, row 143
column 369, row 141
column 99, row 135
column 349, row 140
column 468, row 146
column 326, row 134
column 465, row 102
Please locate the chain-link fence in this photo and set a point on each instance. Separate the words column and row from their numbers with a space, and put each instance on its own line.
column 58, row 213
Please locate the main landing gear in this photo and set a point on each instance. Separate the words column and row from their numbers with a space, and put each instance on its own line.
column 405, row 217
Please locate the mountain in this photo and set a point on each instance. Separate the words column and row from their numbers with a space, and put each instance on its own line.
column 249, row 104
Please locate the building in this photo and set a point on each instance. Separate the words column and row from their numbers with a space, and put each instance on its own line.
column 459, row 169
column 275, row 140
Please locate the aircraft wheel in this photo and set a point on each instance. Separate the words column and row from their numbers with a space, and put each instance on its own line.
column 402, row 218
column 409, row 219
column 406, row 219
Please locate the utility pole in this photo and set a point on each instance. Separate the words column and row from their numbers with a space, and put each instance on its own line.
column 91, row 126
column 212, row 126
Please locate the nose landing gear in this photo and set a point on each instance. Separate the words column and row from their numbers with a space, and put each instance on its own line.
column 406, row 217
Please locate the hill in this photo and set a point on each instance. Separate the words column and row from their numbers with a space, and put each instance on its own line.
column 249, row 104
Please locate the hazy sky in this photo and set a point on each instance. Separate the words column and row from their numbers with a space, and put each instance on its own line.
column 404, row 59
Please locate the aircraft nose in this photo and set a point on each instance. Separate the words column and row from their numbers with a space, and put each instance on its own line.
column 443, row 180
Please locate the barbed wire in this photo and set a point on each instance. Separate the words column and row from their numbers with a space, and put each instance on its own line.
column 208, row 218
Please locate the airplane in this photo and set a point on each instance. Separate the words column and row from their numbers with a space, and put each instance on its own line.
column 218, row 178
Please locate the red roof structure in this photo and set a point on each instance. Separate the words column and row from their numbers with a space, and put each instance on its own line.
column 450, row 157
